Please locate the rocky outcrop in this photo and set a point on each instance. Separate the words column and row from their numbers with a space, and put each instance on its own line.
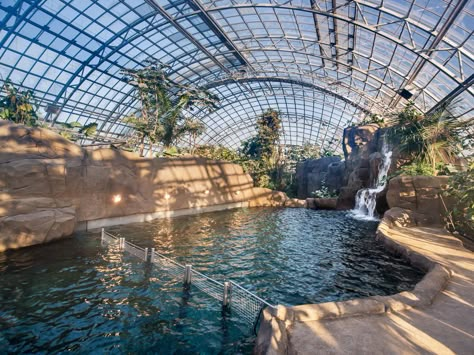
column 321, row 203
column 313, row 174
column 49, row 185
column 419, row 199
column 362, row 146
column 295, row 203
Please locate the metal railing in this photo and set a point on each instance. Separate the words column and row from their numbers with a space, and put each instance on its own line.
column 232, row 296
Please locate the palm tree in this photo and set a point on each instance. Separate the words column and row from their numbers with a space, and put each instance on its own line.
column 432, row 138
column 159, row 119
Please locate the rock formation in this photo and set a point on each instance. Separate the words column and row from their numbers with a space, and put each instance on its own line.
column 417, row 199
column 48, row 185
column 312, row 174
column 360, row 143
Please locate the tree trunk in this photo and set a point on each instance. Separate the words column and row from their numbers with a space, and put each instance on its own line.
column 142, row 145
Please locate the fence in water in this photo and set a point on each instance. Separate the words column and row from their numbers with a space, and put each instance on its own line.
column 232, row 296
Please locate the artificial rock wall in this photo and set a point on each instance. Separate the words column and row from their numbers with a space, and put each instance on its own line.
column 418, row 200
column 48, row 185
column 312, row 174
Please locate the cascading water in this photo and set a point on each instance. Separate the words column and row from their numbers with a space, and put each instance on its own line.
column 366, row 199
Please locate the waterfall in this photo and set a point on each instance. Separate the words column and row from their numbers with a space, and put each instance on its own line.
column 366, row 199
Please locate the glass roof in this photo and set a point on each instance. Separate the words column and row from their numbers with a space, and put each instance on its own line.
column 322, row 63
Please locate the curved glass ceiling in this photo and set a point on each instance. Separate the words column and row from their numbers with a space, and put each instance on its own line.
column 322, row 63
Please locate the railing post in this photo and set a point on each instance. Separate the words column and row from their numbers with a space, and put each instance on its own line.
column 146, row 255
column 121, row 243
column 152, row 255
column 227, row 296
column 187, row 275
column 102, row 234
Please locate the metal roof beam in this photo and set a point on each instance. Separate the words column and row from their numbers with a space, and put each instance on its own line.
column 437, row 40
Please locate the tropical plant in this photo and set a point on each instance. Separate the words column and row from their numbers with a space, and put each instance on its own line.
column 327, row 152
column 18, row 105
column 75, row 130
column 218, row 152
column 373, row 119
column 162, row 102
column 263, row 151
column 428, row 139
column 89, row 129
column 416, row 168
column 461, row 192
column 324, row 192
column 193, row 128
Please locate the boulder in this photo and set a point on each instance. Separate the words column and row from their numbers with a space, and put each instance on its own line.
column 421, row 196
column 295, row 203
column 311, row 203
column 262, row 197
column 36, row 227
column 325, row 203
column 47, row 184
column 312, row 174
column 400, row 217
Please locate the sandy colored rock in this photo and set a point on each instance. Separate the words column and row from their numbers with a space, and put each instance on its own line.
column 421, row 196
column 400, row 217
column 41, row 174
column 36, row 228
column 295, row 203
column 435, row 317
column 311, row 312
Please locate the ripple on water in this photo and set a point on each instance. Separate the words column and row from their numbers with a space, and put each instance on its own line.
column 74, row 295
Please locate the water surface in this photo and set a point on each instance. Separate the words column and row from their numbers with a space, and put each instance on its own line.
column 74, row 295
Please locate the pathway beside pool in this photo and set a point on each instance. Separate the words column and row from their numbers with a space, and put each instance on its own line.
column 444, row 327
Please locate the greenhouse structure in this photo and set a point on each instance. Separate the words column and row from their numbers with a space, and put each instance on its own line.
column 237, row 176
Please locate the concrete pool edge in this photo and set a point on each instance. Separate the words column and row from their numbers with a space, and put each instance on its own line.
column 274, row 338
column 145, row 217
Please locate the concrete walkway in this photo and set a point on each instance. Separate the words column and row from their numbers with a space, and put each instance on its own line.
column 445, row 327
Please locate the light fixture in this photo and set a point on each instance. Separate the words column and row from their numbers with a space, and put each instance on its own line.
column 116, row 199
column 167, row 196
column 206, row 192
column 237, row 192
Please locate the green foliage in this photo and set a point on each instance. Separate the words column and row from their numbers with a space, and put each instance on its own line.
column 160, row 118
column 373, row 119
column 89, row 129
column 171, row 152
column 295, row 154
column 324, row 192
column 416, row 168
column 18, row 105
column 218, row 153
column 461, row 191
column 74, row 130
column 429, row 139
column 263, row 151
column 329, row 153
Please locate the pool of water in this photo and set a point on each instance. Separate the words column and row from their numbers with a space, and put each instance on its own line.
column 75, row 295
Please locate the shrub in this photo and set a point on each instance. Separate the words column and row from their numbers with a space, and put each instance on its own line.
column 324, row 192
column 461, row 190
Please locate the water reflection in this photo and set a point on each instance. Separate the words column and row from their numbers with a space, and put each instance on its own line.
column 75, row 295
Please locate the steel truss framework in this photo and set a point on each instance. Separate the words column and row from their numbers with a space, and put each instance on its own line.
column 323, row 63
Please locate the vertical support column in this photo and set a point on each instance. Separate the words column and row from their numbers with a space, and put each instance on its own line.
column 187, row 275
column 102, row 234
column 146, row 255
column 121, row 243
column 227, row 296
column 152, row 255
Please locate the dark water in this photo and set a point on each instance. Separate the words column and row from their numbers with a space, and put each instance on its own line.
column 74, row 295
